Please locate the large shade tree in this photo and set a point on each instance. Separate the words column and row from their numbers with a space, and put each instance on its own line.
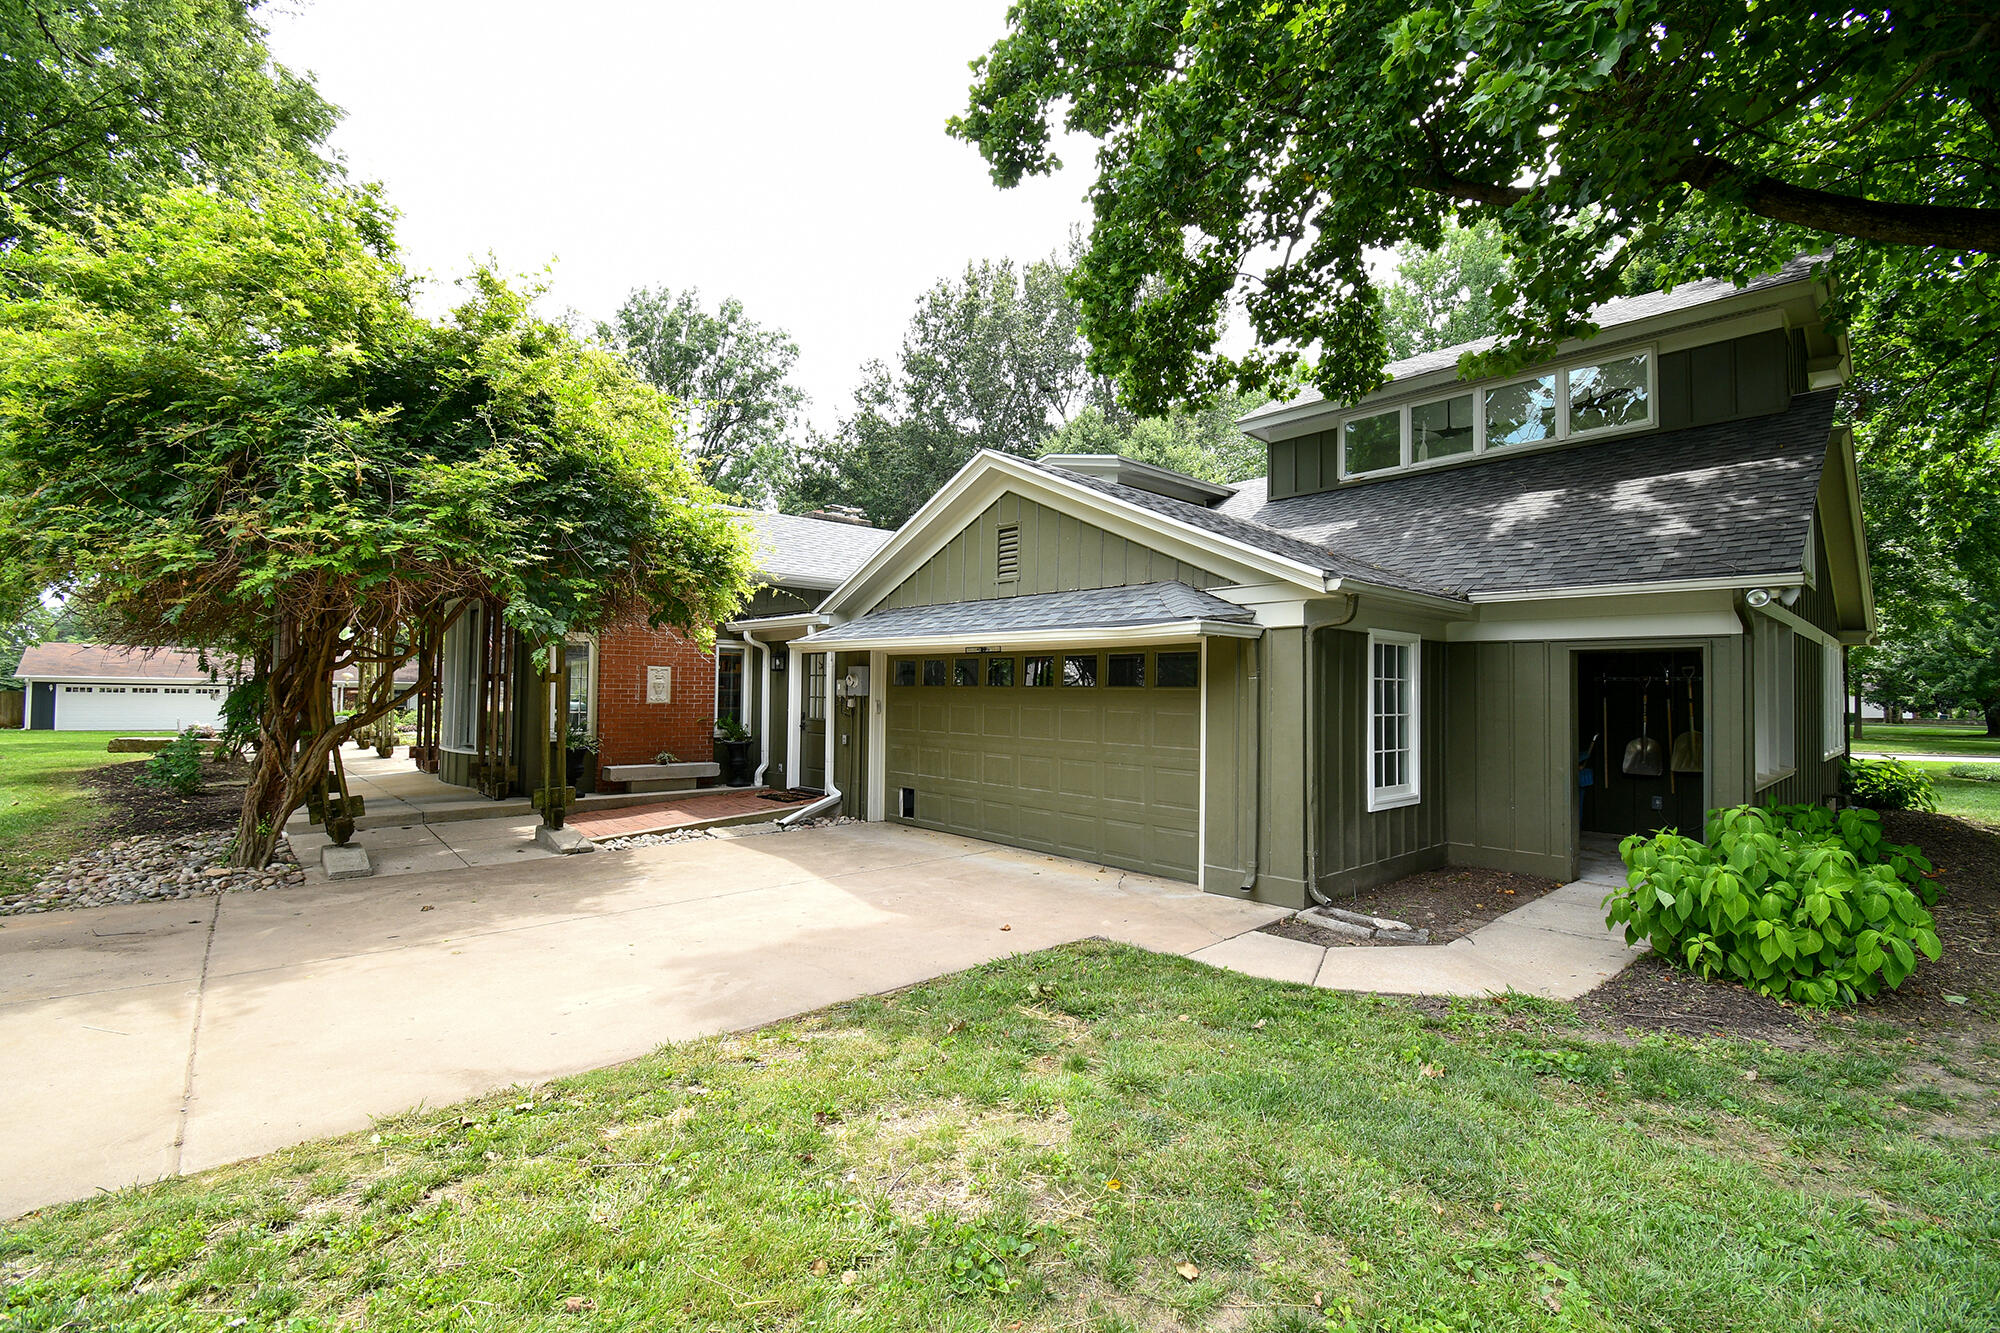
column 102, row 102
column 1254, row 152
column 223, row 426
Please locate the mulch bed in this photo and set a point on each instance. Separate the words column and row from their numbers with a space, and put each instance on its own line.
column 1450, row 903
column 1651, row 996
column 131, row 809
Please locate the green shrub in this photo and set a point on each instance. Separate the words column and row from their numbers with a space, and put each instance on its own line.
column 1988, row 772
column 1780, row 902
column 1887, row 784
column 1860, row 832
column 177, row 767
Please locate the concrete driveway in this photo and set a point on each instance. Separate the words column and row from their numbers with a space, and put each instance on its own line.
column 144, row 1041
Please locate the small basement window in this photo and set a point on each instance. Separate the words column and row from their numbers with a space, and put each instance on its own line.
column 1394, row 663
column 1000, row 671
column 1125, row 670
column 1007, row 557
column 935, row 672
column 1178, row 671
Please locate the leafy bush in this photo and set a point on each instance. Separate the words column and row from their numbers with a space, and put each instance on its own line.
column 177, row 767
column 1887, row 784
column 1860, row 832
column 242, row 717
column 1781, row 901
column 1988, row 772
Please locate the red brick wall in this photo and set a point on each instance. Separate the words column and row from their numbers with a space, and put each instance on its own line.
column 632, row 731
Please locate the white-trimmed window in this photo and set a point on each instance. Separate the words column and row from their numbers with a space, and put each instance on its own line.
column 580, row 672
column 731, row 700
column 1604, row 395
column 1395, row 723
column 1776, row 723
column 1833, row 706
column 459, row 665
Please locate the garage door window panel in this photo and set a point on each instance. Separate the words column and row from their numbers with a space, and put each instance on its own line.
column 1178, row 671
column 905, row 671
column 936, row 671
column 1000, row 672
column 1038, row 671
column 1080, row 671
column 1125, row 671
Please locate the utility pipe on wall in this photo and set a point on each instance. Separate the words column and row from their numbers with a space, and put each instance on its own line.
column 763, row 708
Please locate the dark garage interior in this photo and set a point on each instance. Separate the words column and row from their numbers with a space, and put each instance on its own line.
column 1639, row 725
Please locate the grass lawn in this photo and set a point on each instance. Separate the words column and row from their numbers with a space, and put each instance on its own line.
column 1099, row 1138
column 1910, row 738
column 46, row 815
column 1968, row 798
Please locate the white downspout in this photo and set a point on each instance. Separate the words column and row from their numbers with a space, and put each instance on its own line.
column 833, row 794
column 763, row 708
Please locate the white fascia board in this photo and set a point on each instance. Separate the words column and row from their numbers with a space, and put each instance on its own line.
column 1792, row 579
column 797, row 620
column 1798, row 624
column 1676, row 329
column 773, row 578
column 222, row 683
column 945, row 514
column 1082, row 636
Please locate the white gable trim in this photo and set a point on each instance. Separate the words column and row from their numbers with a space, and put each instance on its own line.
column 988, row 475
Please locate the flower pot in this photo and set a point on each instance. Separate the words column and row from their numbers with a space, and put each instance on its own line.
column 580, row 770
column 734, row 757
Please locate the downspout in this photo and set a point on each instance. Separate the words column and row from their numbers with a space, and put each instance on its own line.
column 763, row 707
column 833, row 793
column 1313, row 751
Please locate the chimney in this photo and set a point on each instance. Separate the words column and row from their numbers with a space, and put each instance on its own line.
column 841, row 514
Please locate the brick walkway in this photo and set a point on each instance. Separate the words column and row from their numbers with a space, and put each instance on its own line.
column 678, row 812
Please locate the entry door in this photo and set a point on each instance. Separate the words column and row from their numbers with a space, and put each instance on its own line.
column 812, row 723
column 42, row 707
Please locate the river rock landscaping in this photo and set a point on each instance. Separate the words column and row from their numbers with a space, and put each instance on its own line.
column 152, row 868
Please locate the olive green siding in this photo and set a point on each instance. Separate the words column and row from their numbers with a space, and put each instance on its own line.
column 1058, row 553
column 1507, row 773
column 1357, row 847
column 1751, row 376
column 775, row 600
column 1255, row 778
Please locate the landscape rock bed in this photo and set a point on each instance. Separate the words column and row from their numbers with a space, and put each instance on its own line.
column 152, row 868
column 727, row 831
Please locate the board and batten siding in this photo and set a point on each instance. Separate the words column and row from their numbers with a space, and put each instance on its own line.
column 1359, row 848
column 1058, row 553
column 1509, row 800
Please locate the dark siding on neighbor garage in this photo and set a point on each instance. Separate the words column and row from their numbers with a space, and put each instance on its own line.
column 1058, row 553
column 1359, row 848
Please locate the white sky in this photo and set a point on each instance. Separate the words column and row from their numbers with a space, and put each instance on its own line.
column 790, row 154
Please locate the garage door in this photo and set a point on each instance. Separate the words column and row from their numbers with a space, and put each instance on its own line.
column 137, row 707
column 1094, row 754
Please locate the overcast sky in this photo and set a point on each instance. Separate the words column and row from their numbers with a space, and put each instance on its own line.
column 790, row 154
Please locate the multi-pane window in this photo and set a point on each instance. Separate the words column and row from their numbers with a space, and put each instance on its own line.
column 815, row 700
column 728, row 687
column 1393, row 721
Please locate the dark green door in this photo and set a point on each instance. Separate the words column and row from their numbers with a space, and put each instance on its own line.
column 812, row 722
column 1092, row 754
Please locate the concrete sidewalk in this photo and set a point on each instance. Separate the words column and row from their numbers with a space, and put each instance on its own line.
column 1556, row 946
column 161, row 1038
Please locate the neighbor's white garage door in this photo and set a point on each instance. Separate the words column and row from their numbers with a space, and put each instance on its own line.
column 137, row 707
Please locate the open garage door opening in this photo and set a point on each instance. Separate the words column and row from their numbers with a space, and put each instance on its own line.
column 1091, row 753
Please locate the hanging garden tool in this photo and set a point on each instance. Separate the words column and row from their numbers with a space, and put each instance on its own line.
column 1644, row 756
column 1687, row 746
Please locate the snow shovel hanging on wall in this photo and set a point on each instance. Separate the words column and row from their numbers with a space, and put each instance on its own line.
column 1644, row 756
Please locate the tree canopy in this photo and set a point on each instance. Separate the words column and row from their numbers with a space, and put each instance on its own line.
column 1202, row 442
column 1443, row 297
column 104, row 102
column 730, row 375
column 223, row 426
column 1253, row 152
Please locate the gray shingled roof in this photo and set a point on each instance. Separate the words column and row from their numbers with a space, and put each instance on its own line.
column 1224, row 521
column 1088, row 608
column 1610, row 315
column 1720, row 501
column 792, row 547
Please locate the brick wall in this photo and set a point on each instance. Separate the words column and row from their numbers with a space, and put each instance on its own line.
column 632, row 731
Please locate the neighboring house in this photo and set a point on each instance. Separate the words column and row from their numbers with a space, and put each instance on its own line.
column 640, row 691
column 93, row 687
column 1396, row 651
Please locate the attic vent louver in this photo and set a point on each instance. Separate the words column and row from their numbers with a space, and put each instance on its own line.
column 1007, row 568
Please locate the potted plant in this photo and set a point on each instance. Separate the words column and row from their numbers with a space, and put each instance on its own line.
column 580, row 767
column 732, row 751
